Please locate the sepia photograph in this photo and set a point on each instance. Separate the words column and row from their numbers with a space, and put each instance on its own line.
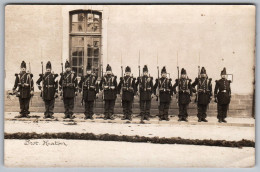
column 153, row 86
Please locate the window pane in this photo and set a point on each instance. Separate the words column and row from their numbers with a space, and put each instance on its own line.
column 80, row 61
column 74, row 69
column 75, row 18
column 74, row 51
column 74, row 61
column 80, row 51
column 96, row 52
column 81, row 17
column 90, row 17
column 90, row 52
column 80, row 71
column 77, row 41
column 90, row 61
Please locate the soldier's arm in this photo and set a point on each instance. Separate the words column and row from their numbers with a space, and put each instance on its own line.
column 61, row 79
column 170, row 86
column 216, row 89
column 190, row 87
column 115, row 82
column 134, row 85
column 195, row 82
column 38, row 82
column 16, row 82
column 175, row 85
column 155, row 86
column 210, row 87
column 56, row 84
column 100, row 84
column 119, row 85
column 80, row 83
column 76, row 83
column 229, row 87
column 32, row 84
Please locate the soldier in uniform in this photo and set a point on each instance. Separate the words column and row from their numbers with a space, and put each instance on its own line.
column 89, row 88
column 145, row 84
column 68, row 84
column 204, row 94
column 24, row 82
column 222, row 94
column 184, row 94
column 165, row 94
column 109, row 86
column 127, row 84
column 49, row 90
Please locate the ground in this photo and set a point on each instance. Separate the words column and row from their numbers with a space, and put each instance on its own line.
column 87, row 153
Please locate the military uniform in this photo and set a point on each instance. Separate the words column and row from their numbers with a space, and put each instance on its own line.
column 128, row 88
column 24, row 82
column 204, row 93
column 165, row 93
column 145, row 84
column 222, row 94
column 68, row 83
column 89, row 88
column 108, row 84
column 49, row 90
column 184, row 94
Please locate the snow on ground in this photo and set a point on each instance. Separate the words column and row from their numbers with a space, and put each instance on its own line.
column 80, row 153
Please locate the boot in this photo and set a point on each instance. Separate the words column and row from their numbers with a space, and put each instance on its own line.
column 219, row 120
column 124, row 117
column 111, row 117
column 91, row 117
column 105, row 117
column 204, row 120
column 185, row 119
column 130, row 117
column 199, row 120
column 223, row 120
column 180, row 119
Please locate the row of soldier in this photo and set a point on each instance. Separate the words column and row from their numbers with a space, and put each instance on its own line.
column 128, row 87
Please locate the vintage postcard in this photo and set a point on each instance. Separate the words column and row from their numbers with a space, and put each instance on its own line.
column 159, row 86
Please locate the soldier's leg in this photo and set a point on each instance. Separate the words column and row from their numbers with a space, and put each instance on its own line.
column 51, row 108
column 180, row 112
column 204, row 113
column 86, row 110
column 166, row 111
column 142, row 109
column 91, row 112
column 219, row 116
column 46, row 104
column 26, row 107
column 185, row 112
column 21, row 108
column 124, row 110
column 129, row 109
column 147, row 109
column 66, row 105
column 199, row 115
column 161, row 107
column 224, row 112
column 106, row 110
column 111, row 109
column 71, row 107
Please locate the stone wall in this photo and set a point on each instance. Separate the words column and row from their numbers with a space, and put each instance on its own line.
column 240, row 106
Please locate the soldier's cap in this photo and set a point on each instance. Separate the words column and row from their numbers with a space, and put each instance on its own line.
column 89, row 66
column 109, row 68
column 183, row 71
column 67, row 64
column 203, row 70
column 48, row 65
column 127, row 69
column 145, row 69
column 163, row 70
column 223, row 72
column 23, row 64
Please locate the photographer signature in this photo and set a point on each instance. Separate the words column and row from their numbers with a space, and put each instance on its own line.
column 44, row 143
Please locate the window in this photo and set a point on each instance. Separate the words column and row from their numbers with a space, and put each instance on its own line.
column 85, row 40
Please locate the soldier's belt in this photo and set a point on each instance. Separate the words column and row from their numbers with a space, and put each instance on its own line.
column 224, row 91
column 68, row 85
column 164, row 90
column 146, row 89
column 184, row 91
column 109, row 87
column 202, row 91
column 128, row 89
column 49, row 85
column 23, row 85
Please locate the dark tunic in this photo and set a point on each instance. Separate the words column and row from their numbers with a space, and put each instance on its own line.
column 127, row 87
column 223, row 91
column 165, row 89
column 145, row 84
column 89, row 87
column 109, row 84
column 24, row 82
column 50, row 86
column 204, row 89
column 69, row 83
column 184, row 90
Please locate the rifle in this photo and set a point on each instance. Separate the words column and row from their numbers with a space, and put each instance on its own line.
column 122, row 76
column 197, row 95
column 82, row 101
column 42, row 81
column 102, row 78
column 158, row 78
column 61, row 91
column 139, row 73
column 30, row 82
column 177, row 95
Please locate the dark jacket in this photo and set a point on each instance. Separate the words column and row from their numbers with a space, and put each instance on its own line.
column 89, row 87
column 184, row 90
column 109, row 84
column 127, row 87
column 24, row 82
column 204, row 90
column 145, row 86
column 165, row 89
column 69, row 84
column 222, row 91
column 50, row 85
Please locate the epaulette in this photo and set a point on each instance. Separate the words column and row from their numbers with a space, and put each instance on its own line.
column 55, row 75
column 40, row 75
column 31, row 75
column 115, row 77
column 61, row 74
column 151, row 77
column 170, row 79
column 16, row 74
column 229, row 81
column 216, row 81
column 121, row 78
column 176, row 80
column 190, row 80
column 210, row 79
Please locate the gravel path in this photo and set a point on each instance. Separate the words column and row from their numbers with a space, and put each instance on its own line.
column 78, row 153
